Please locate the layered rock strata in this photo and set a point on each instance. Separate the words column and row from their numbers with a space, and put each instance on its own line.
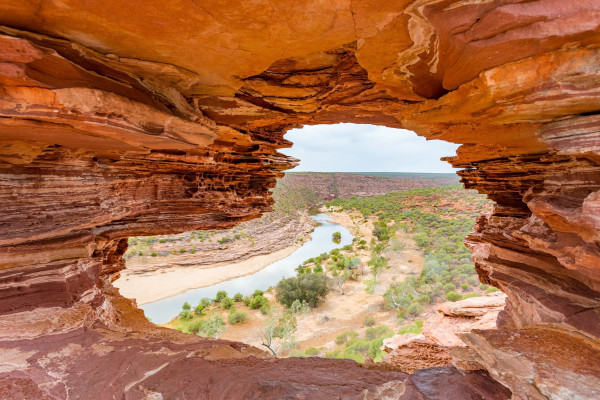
column 121, row 119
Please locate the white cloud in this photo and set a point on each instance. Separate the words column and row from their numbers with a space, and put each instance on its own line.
column 366, row 148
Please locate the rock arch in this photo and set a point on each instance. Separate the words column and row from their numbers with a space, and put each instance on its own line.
column 121, row 119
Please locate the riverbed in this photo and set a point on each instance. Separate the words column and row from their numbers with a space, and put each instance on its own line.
column 320, row 242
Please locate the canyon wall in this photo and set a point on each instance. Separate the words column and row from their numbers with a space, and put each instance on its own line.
column 139, row 118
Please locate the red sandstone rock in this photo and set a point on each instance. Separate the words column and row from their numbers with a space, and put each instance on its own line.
column 541, row 361
column 410, row 352
column 120, row 119
column 473, row 306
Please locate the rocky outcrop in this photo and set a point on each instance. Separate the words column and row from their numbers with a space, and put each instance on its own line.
column 121, row 119
column 410, row 352
column 452, row 319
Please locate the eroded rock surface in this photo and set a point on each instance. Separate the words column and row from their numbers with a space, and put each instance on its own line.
column 121, row 119
column 410, row 352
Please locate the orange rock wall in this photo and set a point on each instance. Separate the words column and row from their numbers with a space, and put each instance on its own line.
column 121, row 119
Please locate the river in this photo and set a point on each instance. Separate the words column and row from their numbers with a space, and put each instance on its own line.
column 164, row 310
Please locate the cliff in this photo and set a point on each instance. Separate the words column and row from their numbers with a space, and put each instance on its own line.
column 120, row 119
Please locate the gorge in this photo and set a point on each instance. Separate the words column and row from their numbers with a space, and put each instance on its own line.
column 122, row 119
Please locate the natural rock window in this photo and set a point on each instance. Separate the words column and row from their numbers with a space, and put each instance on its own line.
column 122, row 119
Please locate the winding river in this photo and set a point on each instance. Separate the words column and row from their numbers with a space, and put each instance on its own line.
column 164, row 310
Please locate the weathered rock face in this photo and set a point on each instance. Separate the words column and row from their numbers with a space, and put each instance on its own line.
column 121, row 119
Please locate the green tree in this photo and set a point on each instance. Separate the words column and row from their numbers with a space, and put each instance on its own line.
column 309, row 288
column 377, row 264
column 340, row 276
column 278, row 332
column 336, row 237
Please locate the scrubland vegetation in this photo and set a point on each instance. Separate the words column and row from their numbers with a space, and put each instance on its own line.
column 436, row 219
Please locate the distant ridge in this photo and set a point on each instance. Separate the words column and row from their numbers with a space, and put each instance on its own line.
column 331, row 185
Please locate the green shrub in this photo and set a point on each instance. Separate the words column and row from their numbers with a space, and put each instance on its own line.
column 483, row 286
column 236, row 317
column 264, row 309
column 257, row 302
column 208, row 327
column 492, row 289
column 205, row 301
column 375, row 351
column 369, row 321
column 464, row 286
column 377, row 332
column 199, row 310
column 318, row 268
column 312, row 351
column 186, row 315
column 311, row 288
column 453, row 296
column 154, row 254
column 412, row 328
column 419, row 322
column 186, row 306
column 469, row 295
column 258, row 292
column 226, row 303
column 415, row 309
column 472, row 281
column 194, row 327
column 182, row 250
column 424, row 299
column 238, row 297
column 221, row 294
column 336, row 237
column 448, row 287
column 343, row 337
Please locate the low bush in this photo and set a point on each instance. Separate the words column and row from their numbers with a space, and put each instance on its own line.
column 344, row 337
column 312, row 351
column 377, row 332
column 412, row 328
column 238, row 297
column 221, row 294
column 227, row 303
column 205, row 302
column 369, row 321
column 264, row 309
column 257, row 302
column 448, row 287
column 453, row 296
column 236, row 317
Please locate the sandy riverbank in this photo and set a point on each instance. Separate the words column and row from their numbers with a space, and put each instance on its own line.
column 163, row 283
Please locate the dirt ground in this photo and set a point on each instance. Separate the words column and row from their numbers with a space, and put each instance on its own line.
column 340, row 313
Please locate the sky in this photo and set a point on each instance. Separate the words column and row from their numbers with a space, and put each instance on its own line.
column 366, row 148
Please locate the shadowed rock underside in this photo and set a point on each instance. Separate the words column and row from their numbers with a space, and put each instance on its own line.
column 121, row 119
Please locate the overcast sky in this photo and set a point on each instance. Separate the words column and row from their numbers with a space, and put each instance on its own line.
column 366, row 148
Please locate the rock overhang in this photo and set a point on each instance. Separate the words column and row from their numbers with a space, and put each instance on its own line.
column 120, row 119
